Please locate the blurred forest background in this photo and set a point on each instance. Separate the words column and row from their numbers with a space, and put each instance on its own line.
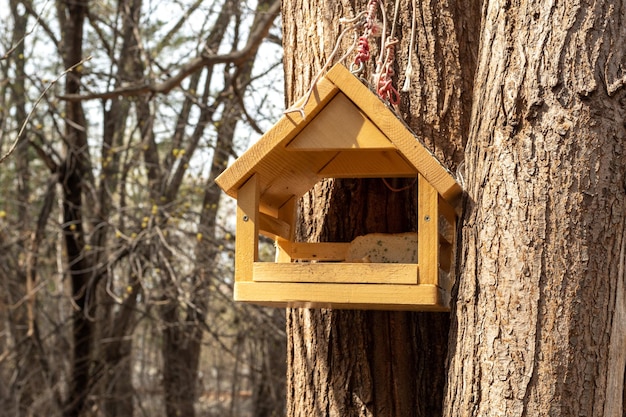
column 115, row 244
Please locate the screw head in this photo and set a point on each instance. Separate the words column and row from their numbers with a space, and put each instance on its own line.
column 245, row 218
column 427, row 218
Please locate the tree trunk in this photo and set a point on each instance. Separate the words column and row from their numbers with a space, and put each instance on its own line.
column 268, row 392
column 116, row 322
column 21, row 320
column 74, row 172
column 358, row 363
column 181, row 347
column 540, row 320
column 183, row 341
column 539, row 327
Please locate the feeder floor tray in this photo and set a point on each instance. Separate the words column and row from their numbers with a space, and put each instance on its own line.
column 423, row 297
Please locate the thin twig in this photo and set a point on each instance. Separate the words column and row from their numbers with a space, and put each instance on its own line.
column 32, row 111
column 205, row 59
column 14, row 47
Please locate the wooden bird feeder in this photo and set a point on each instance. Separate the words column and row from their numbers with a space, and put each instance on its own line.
column 347, row 132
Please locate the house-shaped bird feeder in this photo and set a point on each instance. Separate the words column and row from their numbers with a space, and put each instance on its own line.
column 347, row 132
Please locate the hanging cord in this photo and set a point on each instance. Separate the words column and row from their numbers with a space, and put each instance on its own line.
column 362, row 56
column 384, row 65
column 383, row 40
column 408, row 73
column 396, row 189
column 370, row 27
column 395, row 18
column 383, row 78
column 352, row 23
column 385, row 88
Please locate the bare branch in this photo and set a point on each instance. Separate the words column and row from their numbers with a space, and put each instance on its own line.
column 237, row 58
column 32, row 111
column 38, row 22
column 170, row 34
column 45, row 157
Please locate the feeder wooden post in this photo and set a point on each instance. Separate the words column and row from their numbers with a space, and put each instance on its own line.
column 247, row 239
column 427, row 232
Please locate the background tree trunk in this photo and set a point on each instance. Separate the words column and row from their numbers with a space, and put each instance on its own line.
column 73, row 178
column 357, row 363
column 117, row 320
column 20, row 319
column 540, row 323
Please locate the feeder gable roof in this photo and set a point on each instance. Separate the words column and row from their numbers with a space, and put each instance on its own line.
column 347, row 132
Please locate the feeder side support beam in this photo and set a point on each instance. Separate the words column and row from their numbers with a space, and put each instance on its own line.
column 287, row 213
column 247, row 239
column 428, row 232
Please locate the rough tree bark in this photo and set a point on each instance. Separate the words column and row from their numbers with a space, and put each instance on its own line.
column 540, row 325
column 355, row 363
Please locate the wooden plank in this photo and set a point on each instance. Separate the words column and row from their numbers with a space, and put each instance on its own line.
column 397, row 131
column 383, row 164
column 247, row 226
column 283, row 250
column 314, row 251
column 428, row 233
column 288, row 213
column 340, row 126
column 341, row 272
column 273, row 227
column 285, row 174
column 282, row 256
column 281, row 133
column 346, row 296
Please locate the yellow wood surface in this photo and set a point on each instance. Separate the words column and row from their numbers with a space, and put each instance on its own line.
column 383, row 164
column 273, row 227
column 313, row 251
column 266, row 156
column 347, row 132
column 397, row 131
column 340, row 126
column 346, row 296
column 247, row 238
column 384, row 248
column 342, row 117
column 288, row 213
column 320, row 272
column 428, row 231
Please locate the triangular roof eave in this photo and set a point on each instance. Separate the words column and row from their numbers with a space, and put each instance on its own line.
column 339, row 80
column 427, row 164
